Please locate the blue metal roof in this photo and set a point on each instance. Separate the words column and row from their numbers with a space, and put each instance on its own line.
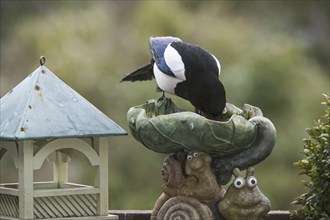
column 43, row 106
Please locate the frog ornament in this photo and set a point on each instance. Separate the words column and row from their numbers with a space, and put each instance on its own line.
column 243, row 199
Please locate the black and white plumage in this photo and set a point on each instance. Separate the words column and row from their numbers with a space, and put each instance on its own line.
column 185, row 70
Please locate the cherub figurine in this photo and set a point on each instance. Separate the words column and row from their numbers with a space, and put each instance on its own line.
column 243, row 199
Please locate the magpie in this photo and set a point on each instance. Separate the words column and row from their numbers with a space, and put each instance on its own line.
column 185, row 70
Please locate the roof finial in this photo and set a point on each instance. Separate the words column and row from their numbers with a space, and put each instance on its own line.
column 42, row 60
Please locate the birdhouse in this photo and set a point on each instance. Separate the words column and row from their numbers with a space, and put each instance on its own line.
column 43, row 118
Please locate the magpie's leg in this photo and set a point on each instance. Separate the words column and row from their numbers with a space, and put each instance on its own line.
column 160, row 90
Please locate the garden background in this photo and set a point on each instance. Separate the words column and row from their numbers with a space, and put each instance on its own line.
column 274, row 55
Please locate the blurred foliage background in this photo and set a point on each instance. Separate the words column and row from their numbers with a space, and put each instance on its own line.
column 274, row 55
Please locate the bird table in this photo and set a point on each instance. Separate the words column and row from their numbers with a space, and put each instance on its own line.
column 44, row 118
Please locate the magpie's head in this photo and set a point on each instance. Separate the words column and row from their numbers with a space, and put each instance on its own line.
column 211, row 100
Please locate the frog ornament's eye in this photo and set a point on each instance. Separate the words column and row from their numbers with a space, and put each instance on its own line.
column 195, row 154
column 189, row 157
column 252, row 181
column 239, row 182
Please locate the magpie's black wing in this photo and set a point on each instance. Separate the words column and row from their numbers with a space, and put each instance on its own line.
column 197, row 59
column 142, row 74
column 181, row 90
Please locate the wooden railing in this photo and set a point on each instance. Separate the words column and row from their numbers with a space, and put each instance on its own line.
column 145, row 215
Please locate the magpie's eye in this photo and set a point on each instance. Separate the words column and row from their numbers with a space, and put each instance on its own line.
column 189, row 157
column 239, row 182
column 252, row 181
column 195, row 154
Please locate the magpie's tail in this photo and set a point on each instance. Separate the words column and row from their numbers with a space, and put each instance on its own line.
column 142, row 74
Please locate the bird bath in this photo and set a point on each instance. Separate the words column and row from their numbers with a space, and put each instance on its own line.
column 200, row 149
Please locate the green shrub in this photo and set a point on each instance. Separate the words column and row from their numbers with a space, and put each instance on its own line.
column 316, row 165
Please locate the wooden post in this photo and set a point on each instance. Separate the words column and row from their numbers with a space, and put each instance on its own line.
column 101, row 178
column 60, row 168
column 25, row 178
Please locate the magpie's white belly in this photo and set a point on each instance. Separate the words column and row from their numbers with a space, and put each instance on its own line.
column 165, row 82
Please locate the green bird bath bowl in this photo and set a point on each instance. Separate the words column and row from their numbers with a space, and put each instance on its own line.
column 241, row 139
